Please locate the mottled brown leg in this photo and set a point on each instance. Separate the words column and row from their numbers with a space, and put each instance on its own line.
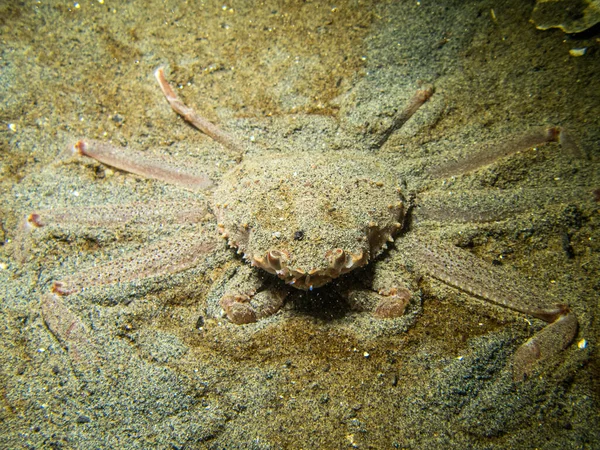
column 115, row 215
column 70, row 331
column 413, row 105
column 546, row 343
column 166, row 257
column 486, row 205
column 193, row 118
column 135, row 162
column 108, row 216
column 491, row 152
column 504, row 287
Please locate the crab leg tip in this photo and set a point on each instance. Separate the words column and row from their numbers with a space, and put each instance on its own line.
column 159, row 74
column 60, row 289
column 79, row 148
column 34, row 221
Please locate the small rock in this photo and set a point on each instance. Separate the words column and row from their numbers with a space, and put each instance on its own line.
column 83, row 419
column 577, row 51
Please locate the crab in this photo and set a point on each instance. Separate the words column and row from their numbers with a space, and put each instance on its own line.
column 308, row 218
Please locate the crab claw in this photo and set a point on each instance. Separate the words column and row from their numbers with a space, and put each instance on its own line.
column 238, row 309
column 392, row 304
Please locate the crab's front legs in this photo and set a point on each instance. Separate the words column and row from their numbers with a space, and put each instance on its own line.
column 193, row 118
column 501, row 286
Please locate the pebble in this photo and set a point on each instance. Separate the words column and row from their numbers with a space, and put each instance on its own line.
column 578, row 51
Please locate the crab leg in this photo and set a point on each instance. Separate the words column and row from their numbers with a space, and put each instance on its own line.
column 464, row 271
column 134, row 162
column 490, row 205
column 461, row 269
column 165, row 257
column 417, row 100
column 491, row 153
column 544, row 344
column 108, row 216
column 197, row 121
column 70, row 331
column 112, row 215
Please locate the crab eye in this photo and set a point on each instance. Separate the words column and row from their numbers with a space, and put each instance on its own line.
column 299, row 235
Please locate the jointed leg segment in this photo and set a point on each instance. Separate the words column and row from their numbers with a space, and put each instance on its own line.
column 413, row 105
column 493, row 152
column 197, row 121
column 165, row 257
column 134, row 162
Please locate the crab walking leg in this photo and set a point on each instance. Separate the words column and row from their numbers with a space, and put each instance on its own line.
column 165, row 257
column 70, row 331
column 489, row 205
column 413, row 105
column 492, row 152
column 460, row 269
column 112, row 215
column 503, row 287
column 193, row 118
column 546, row 343
column 108, row 216
column 134, row 162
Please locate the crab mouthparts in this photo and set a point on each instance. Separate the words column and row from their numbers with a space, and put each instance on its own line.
column 338, row 262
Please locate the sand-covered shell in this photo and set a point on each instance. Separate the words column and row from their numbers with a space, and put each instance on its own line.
column 312, row 217
column 571, row 16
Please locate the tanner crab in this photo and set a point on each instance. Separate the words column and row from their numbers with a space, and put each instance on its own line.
column 341, row 210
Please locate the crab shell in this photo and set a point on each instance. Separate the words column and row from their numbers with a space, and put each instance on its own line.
column 309, row 218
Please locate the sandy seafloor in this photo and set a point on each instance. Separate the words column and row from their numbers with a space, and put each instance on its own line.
column 315, row 375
